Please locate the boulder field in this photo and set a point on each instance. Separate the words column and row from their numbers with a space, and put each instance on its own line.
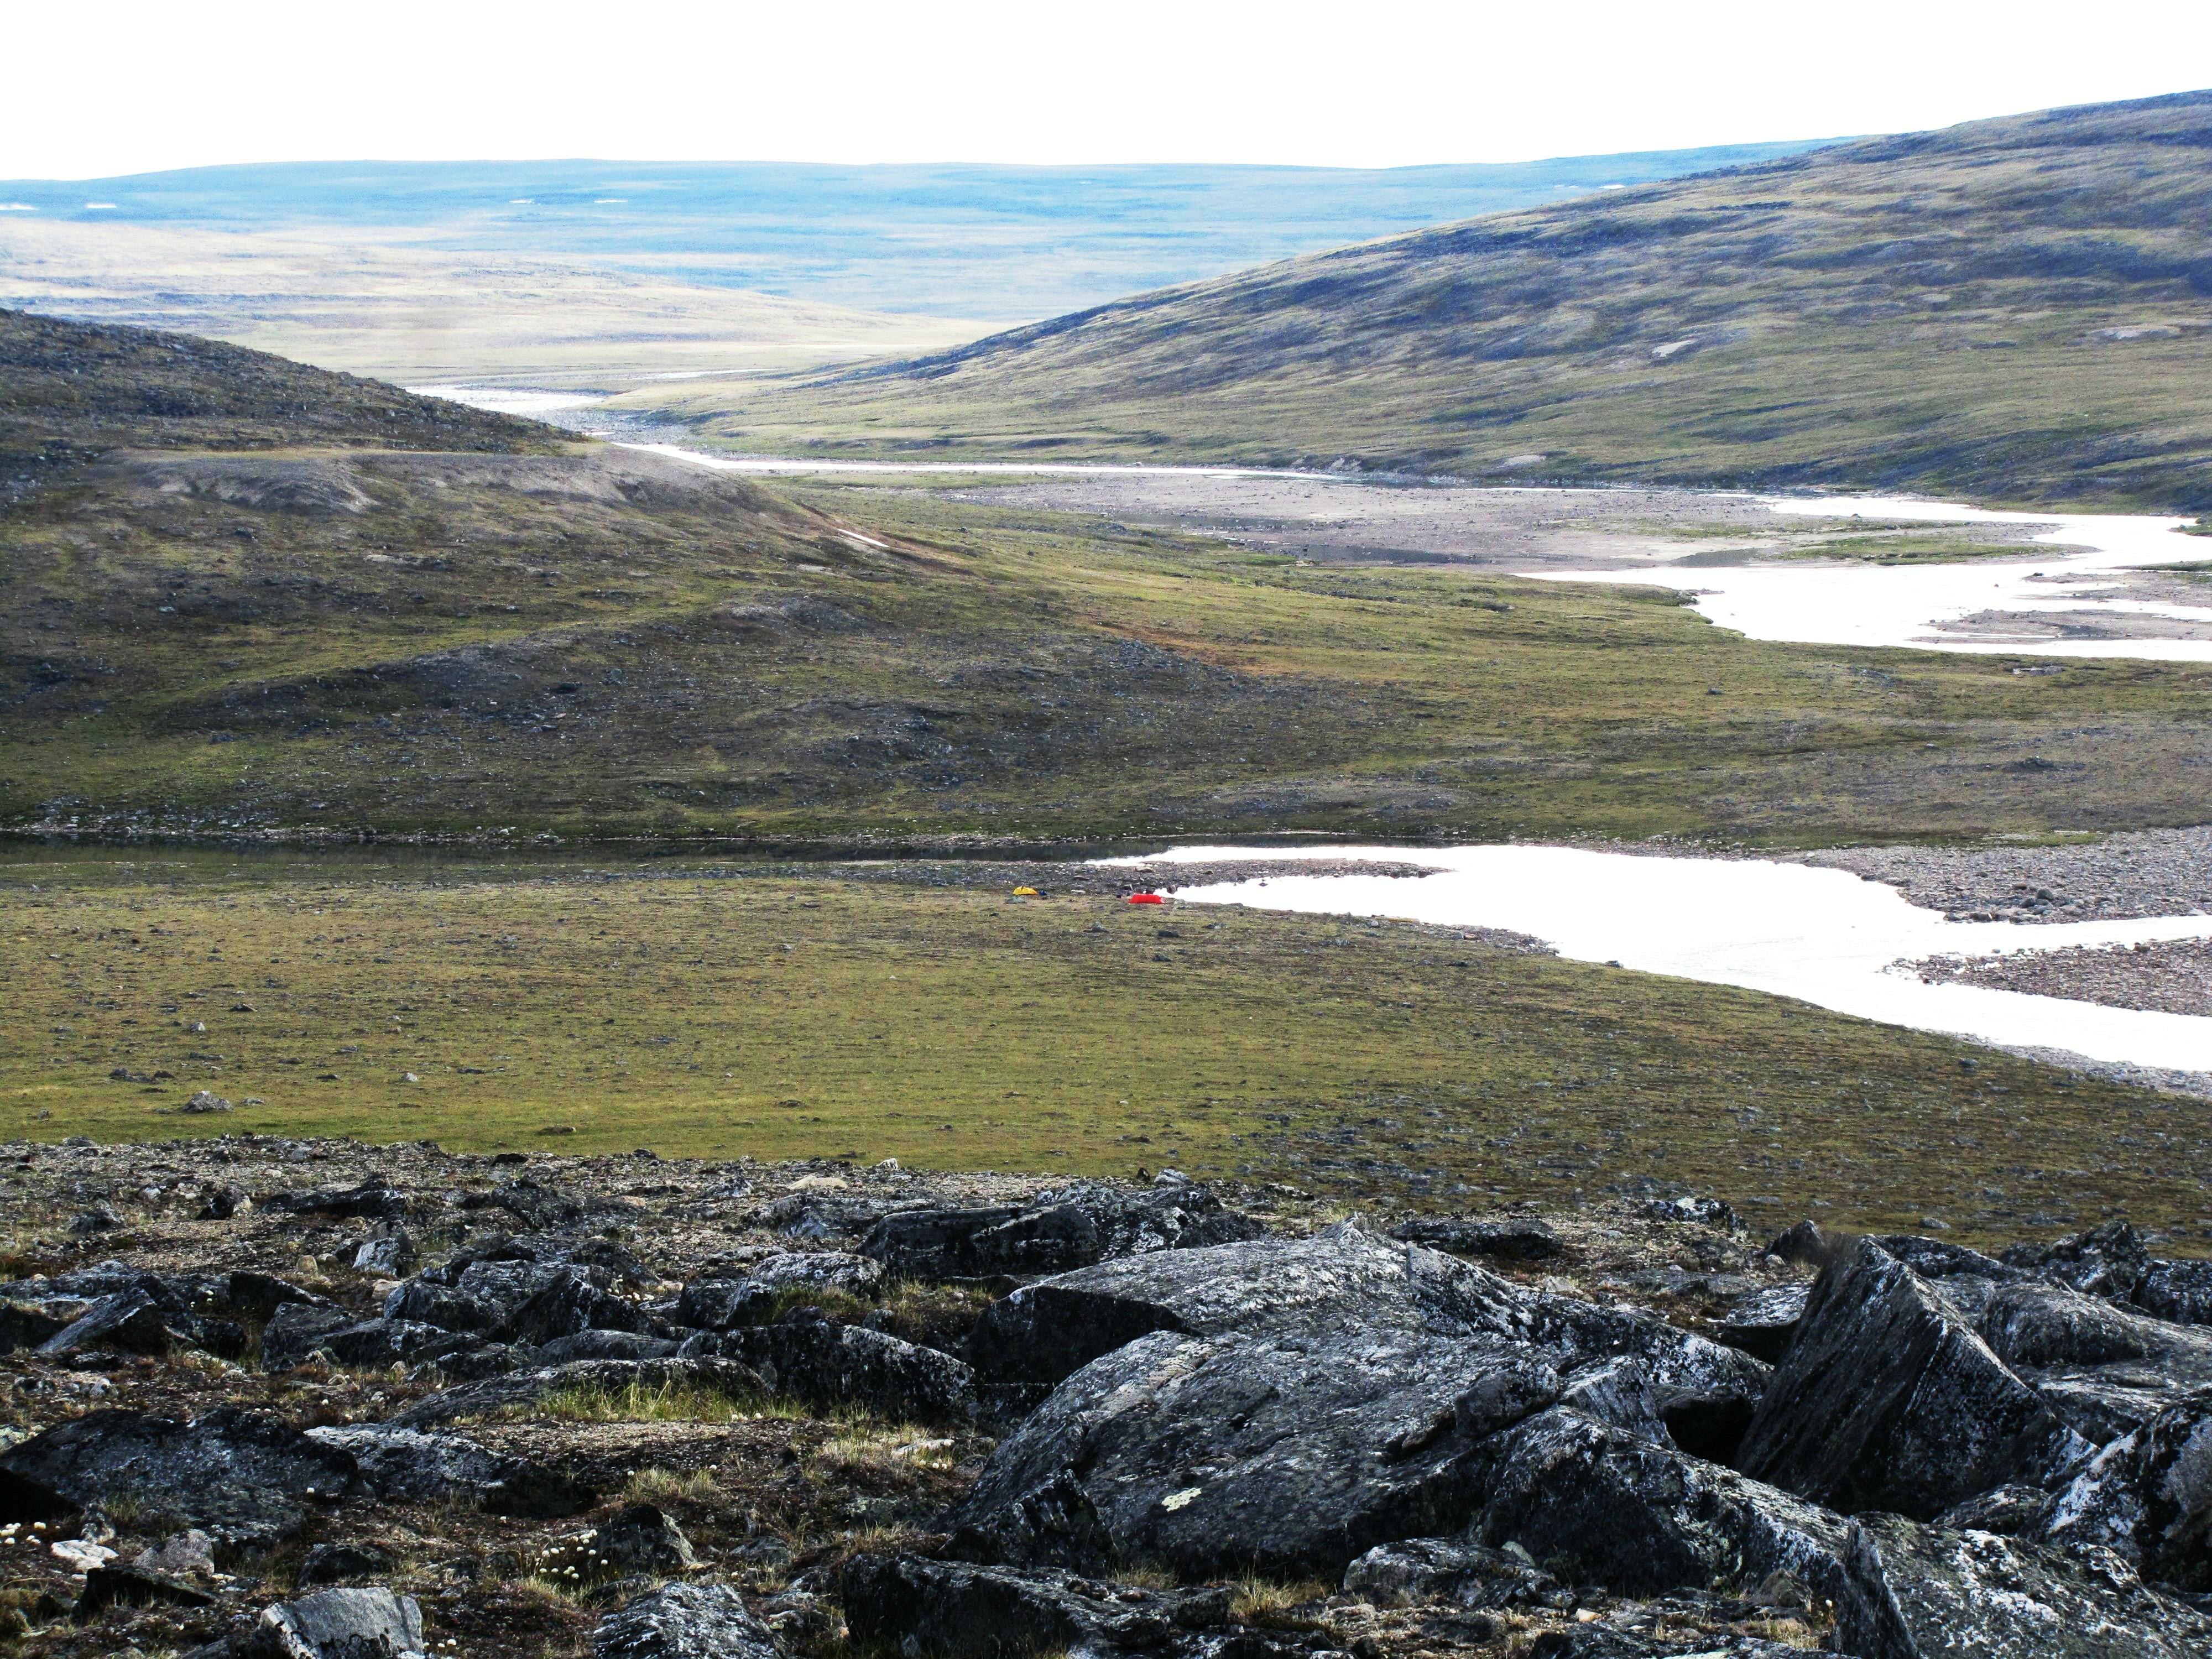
column 332, row 1402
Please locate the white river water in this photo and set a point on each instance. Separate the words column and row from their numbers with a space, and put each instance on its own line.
column 1871, row 604
column 1799, row 601
column 1826, row 936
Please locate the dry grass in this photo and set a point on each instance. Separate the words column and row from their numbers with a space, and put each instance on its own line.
column 659, row 1485
column 670, row 1403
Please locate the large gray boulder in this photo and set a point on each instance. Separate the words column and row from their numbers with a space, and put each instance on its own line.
column 830, row 1366
column 1919, row 1592
column 2104, row 1367
column 247, row 1481
column 1888, row 1400
column 684, row 1621
column 965, row 1611
column 1610, row 1507
column 2179, row 1291
column 2107, row 1261
column 1045, row 1331
column 1292, row 1403
column 1451, row 1570
column 410, row 1466
column 344, row 1624
column 1286, row 1453
column 2149, row 1496
column 1058, row 1232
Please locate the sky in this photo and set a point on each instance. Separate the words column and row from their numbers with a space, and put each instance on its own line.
column 94, row 89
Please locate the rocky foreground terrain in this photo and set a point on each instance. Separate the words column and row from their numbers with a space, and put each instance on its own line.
column 328, row 1400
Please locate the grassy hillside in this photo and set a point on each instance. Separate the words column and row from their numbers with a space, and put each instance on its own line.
column 70, row 394
column 827, row 1012
column 202, row 636
column 2019, row 309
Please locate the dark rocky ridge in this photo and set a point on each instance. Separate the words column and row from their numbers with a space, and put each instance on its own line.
column 1225, row 1428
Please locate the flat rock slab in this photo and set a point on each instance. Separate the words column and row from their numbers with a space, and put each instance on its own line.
column 684, row 1621
column 1060, row 1231
column 965, row 1611
column 246, row 1481
column 345, row 1624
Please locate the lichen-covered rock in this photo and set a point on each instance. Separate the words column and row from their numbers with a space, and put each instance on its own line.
column 1620, row 1510
column 408, row 1466
column 1510, row 1238
column 429, row 1302
column 1888, row 1400
column 569, row 1303
column 2102, row 1366
column 1342, row 1277
column 1060, row 1231
column 248, row 1481
column 965, row 1611
column 295, row 1331
column 1451, row 1571
column 819, row 1270
column 1919, row 1592
column 345, row 1624
column 2106, row 1261
column 1762, row 1322
column 1288, row 1453
column 2149, row 1496
column 603, row 1344
column 832, row 1366
column 684, row 1621
column 2179, row 1291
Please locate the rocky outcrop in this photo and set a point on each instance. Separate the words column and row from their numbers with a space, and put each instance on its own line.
column 1919, row 1592
column 2149, row 1496
column 2179, row 1291
column 834, row 1367
column 1074, row 1228
column 1611, row 1507
column 343, row 1624
column 964, row 1611
column 1887, row 1399
column 2102, row 1366
column 1506, row 1238
column 409, row 1466
column 684, row 1621
column 248, row 1481
column 1288, row 1404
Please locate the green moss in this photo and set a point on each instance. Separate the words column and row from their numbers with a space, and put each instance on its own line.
column 787, row 1012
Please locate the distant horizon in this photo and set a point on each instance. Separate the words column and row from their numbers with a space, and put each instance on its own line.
column 248, row 82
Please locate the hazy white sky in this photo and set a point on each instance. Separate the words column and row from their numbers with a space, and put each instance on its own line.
column 89, row 88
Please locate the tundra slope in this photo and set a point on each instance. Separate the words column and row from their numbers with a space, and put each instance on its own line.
column 243, row 596
column 326, row 1399
column 2018, row 310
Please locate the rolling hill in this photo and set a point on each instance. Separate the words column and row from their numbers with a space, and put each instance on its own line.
column 2018, row 309
column 242, row 597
